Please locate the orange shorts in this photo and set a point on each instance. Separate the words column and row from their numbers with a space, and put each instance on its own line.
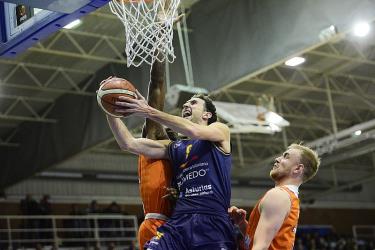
column 147, row 230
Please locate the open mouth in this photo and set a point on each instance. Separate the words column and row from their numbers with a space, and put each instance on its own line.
column 186, row 113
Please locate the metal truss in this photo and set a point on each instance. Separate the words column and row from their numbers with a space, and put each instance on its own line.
column 337, row 188
column 7, row 141
column 24, row 102
column 335, row 148
column 32, row 73
column 70, row 43
column 344, row 138
column 319, row 100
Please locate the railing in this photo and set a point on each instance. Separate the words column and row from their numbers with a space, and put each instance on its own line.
column 364, row 232
column 85, row 231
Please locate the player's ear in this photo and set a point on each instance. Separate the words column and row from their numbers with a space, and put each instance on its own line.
column 207, row 115
column 299, row 169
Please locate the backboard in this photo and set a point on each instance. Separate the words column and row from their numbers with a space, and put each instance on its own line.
column 21, row 26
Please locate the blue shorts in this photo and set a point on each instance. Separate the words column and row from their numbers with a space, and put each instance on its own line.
column 194, row 231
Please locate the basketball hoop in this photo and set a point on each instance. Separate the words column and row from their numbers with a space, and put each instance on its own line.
column 148, row 29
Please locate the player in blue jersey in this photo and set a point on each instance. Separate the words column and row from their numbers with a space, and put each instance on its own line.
column 201, row 167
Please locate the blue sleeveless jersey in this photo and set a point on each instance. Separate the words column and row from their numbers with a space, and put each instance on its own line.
column 202, row 174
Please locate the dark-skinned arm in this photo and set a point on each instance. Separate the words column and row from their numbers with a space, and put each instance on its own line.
column 156, row 97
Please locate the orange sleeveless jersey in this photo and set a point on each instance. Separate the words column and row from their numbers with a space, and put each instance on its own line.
column 154, row 176
column 284, row 239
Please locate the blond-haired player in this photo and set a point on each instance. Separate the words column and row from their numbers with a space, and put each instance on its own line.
column 273, row 221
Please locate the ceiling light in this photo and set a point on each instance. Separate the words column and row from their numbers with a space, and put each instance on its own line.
column 361, row 29
column 117, row 177
column 328, row 33
column 358, row 132
column 60, row 174
column 73, row 24
column 295, row 61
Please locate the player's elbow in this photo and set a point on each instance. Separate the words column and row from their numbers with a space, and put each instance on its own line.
column 193, row 133
column 124, row 147
column 129, row 145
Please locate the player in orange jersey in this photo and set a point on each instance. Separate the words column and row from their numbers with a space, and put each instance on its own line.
column 273, row 221
column 154, row 175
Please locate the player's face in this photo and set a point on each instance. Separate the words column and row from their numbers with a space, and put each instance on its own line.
column 193, row 110
column 285, row 164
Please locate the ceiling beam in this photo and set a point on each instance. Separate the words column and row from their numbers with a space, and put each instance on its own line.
column 45, row 67
column 78, row 55
column 27, row 118
column 339, row 188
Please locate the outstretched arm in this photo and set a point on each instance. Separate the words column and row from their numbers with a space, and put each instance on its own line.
column 215, row 132
column 274, row 208
column 156, row 97
column 126, row 141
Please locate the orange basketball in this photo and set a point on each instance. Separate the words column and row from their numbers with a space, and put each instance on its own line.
column 110, row 90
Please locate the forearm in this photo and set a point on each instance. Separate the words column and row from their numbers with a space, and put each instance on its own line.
column 140, row 146
column 153, row 129
column 177, row 124
column 121, row 133
column 156, row 97
column 242, row 227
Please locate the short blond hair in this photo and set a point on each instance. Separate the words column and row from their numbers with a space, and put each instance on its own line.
column 309, row 159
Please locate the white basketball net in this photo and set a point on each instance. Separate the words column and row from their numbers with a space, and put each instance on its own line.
column 148, row 29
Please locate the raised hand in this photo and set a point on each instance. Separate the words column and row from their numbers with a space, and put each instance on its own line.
column 138, row 106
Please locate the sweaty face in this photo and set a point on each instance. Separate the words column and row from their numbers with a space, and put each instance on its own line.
column 284, row 164
column 193, row 109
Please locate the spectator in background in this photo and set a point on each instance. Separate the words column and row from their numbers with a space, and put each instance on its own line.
column 45, row 208
column 113, row 208
column 21, row 14
column 110, row 225
column 45, row 205
column 332, row 241
column 29, row 206
column 77, row 223
column 94, row 208
column 299, row 245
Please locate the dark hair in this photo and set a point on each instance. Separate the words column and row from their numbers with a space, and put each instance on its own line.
column 209, row 106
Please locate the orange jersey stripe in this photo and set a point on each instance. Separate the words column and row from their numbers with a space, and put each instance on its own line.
column 284, row 239
column 154, row 176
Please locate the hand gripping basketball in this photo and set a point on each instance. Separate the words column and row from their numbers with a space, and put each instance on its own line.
column 110, row 90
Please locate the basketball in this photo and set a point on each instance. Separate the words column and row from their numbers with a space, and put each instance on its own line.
column 110, row 90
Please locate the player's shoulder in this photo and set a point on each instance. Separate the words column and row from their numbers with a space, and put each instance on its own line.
column 217, row 123
column 276, row 195
column 220, row 126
